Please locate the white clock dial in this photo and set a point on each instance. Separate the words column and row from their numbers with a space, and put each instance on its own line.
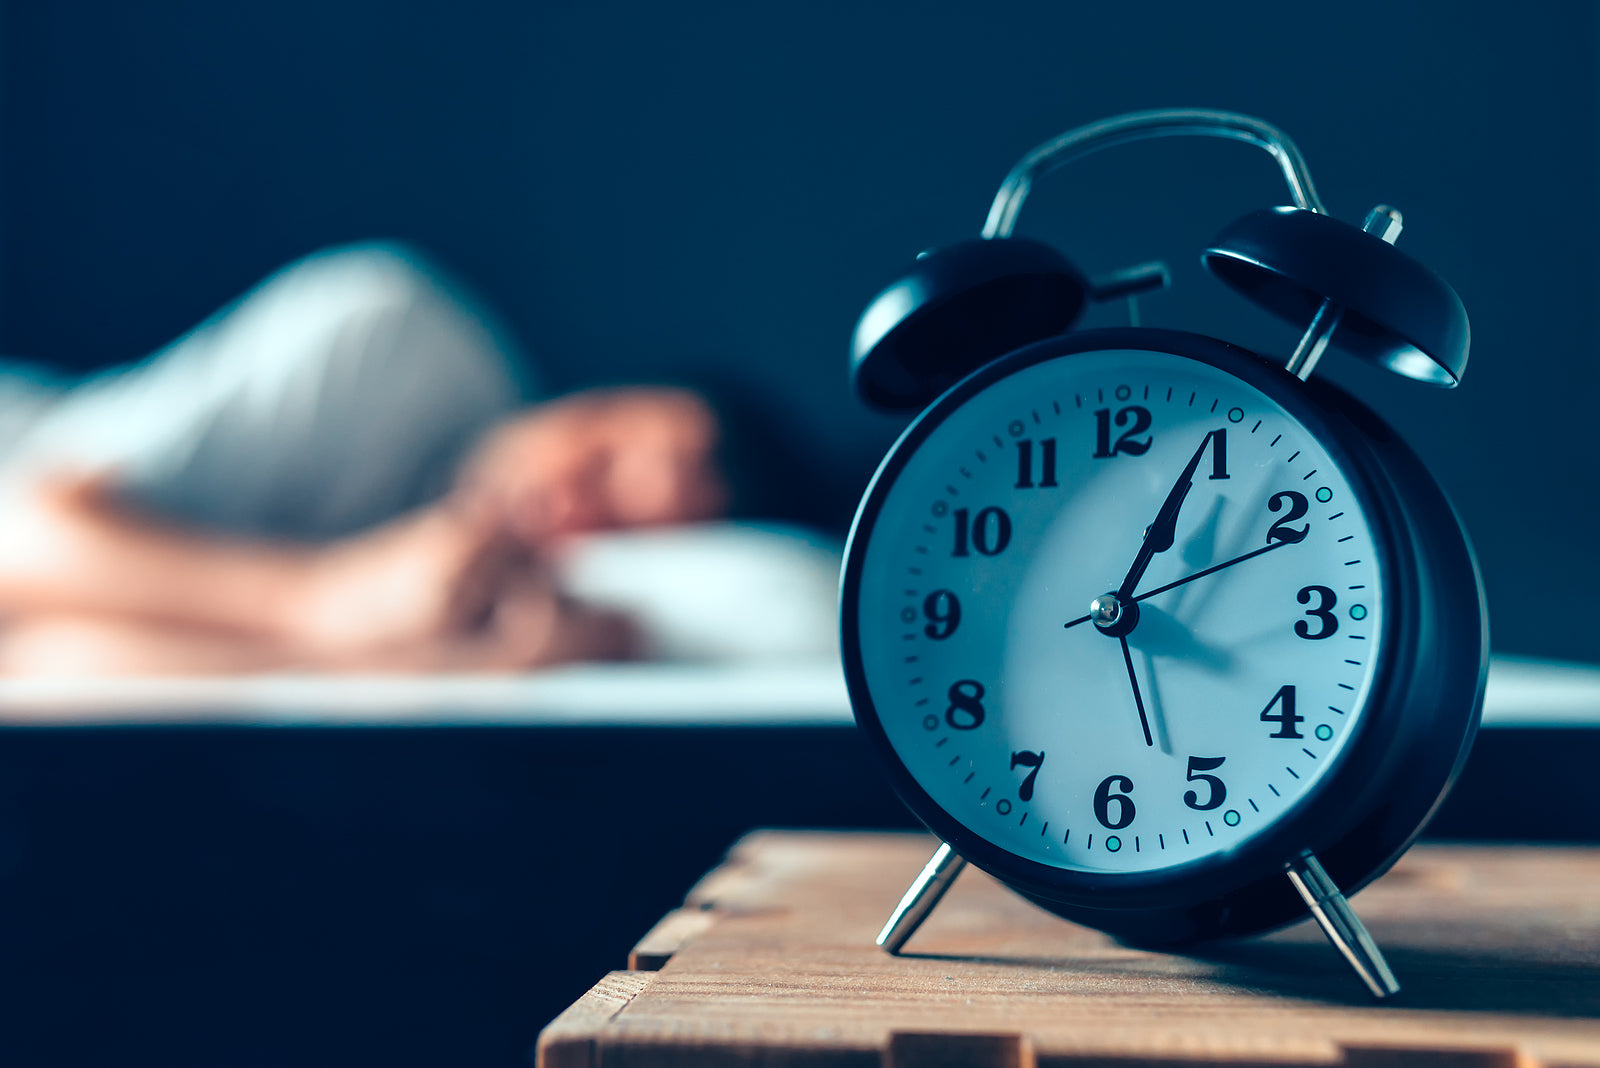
column 1239, row 685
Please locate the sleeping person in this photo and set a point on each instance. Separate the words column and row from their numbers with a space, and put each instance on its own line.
column 337, row 472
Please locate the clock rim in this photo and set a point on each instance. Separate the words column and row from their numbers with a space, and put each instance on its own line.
column 1312, row 821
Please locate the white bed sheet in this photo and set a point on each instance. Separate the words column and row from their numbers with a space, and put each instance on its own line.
column 1523, row 692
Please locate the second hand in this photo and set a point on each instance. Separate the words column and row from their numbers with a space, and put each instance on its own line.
column 1199, row 575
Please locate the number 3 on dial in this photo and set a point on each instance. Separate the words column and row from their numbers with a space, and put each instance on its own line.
column 1323, row 613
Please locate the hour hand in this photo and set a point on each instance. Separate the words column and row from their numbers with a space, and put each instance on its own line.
column 1159, row 536
column 1164, row 530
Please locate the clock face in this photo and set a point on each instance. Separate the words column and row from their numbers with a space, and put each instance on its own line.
column 1216, row 681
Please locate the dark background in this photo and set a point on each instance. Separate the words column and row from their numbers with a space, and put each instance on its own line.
column 705, row 193
column 711, row 192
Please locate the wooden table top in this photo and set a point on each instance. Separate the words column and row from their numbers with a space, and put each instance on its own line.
column 771, row 961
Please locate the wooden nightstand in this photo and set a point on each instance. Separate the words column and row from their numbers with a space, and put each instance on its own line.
column 771, row 961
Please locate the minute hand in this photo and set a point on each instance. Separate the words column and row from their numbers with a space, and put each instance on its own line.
column 1159, row 538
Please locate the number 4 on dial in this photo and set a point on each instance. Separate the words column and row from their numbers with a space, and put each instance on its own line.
column 1286, row 719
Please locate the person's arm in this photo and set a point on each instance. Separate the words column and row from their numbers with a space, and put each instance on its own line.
column 531, row 626
column 70, row 548
column 67, row 546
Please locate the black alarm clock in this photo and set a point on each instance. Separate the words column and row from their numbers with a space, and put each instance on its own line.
column 1173, row 640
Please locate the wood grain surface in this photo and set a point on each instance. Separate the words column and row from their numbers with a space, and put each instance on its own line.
column 771, row 962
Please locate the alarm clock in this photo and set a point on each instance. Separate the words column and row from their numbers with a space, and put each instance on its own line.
column 1171, row 638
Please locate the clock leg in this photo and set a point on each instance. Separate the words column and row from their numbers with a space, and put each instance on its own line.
column 924, row 893
column 1340, row 923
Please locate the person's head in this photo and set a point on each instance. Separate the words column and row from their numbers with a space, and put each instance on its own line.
column 600, row 460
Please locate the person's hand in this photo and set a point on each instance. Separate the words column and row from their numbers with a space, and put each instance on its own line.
column 427, row 576
column 448, row 588
column 600, row 460
column 530, row 624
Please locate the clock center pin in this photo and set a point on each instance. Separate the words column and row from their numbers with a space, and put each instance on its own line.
column 1112, row 616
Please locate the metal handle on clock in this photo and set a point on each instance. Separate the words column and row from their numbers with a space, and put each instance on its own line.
column 1165, row 122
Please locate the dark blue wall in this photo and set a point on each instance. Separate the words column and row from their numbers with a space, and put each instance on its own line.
column 711, row 191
